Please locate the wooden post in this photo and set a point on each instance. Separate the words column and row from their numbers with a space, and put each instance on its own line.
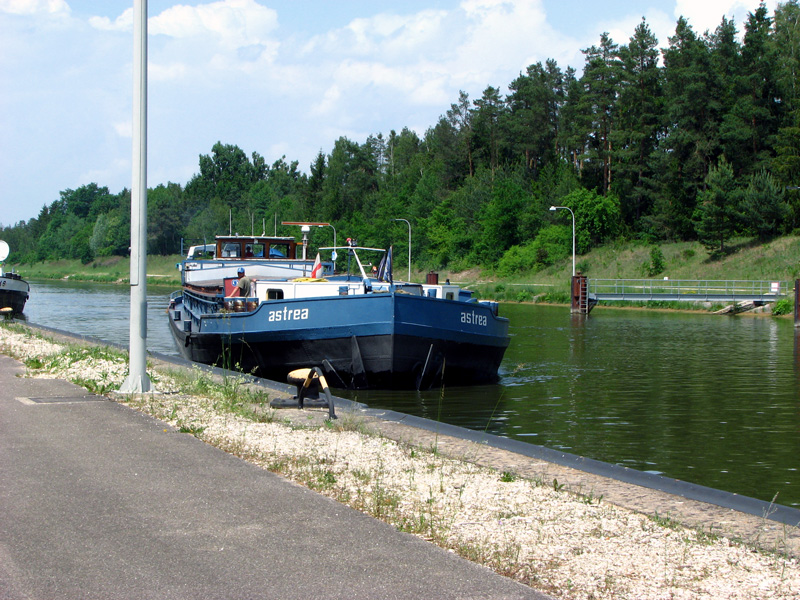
column 797, row 302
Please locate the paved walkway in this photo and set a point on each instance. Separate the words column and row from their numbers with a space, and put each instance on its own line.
column 100, row 501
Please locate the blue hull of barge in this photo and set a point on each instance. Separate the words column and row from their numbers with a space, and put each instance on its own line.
column 381, row 340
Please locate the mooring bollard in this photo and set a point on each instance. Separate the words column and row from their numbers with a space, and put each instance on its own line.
column 304, row 387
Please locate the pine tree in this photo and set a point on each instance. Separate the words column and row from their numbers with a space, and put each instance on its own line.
column 597, row 109
column 533, row 117
column 691, row 135
column 764, row 206
column 487, row 116
column 758, row 107
column 786, row 43
column 717, row 215
column 640, row 109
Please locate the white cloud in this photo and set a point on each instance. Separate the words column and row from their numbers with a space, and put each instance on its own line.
column 186, row 41
column 622, row 30
column 503, row 35
column 328, row 102
column 216, row 41
column 123, row 129
column 707, row 15
column 122, row 23
column 481, row 9
column 225, row 70
column 423, row 59
column 229, row 23
column 35, row 7
column 392, row 37
column 167, row 72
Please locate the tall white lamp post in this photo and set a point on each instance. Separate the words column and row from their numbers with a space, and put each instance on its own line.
column 573, row 233
column 409, row 247
column 137, row 380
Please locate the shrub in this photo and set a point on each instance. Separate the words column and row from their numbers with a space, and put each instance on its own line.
column 782, row 307
column 656, row 264
column 524, row 296
column 515, row 260
column 552, row 244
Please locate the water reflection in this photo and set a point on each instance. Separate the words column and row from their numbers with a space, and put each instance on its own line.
column 99, row 310
column 707, row 399
column 703, row 398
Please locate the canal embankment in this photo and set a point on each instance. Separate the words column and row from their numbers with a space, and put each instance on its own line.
column 554, row 527
column 746, row 260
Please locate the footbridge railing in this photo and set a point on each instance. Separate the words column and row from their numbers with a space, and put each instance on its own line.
column 675, row 290
column 687, row 290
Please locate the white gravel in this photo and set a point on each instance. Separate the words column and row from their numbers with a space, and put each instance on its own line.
column 568, row 545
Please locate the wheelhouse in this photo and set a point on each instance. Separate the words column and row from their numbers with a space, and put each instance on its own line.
column 255, row 247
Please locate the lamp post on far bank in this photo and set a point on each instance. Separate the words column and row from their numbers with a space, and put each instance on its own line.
column 409, row 246
column 573, row 233
column 333, row 254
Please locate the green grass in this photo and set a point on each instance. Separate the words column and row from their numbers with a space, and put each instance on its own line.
column 161, row 270
column 777, row 260
column 229, row 393
column 508, row 476
column 747, row 259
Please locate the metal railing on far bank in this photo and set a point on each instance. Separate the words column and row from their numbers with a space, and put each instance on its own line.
column 587, row 292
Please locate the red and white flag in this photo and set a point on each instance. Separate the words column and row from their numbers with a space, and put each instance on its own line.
column 316, row 270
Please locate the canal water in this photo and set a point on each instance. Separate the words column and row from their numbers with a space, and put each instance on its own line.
column 708, row 399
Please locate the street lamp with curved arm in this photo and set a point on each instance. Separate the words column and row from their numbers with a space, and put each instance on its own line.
column 573, row 233
column 409, row 246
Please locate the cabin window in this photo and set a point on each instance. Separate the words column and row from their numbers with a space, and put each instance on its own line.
column 449, row 296
column 231, row 250
column 278, row 250
column 274, row 294
column 254, row 251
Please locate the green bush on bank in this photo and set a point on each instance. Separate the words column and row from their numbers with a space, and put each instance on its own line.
column 782, row 307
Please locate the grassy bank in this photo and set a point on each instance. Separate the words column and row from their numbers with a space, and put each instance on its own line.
column 778, row 260
column 114, row 269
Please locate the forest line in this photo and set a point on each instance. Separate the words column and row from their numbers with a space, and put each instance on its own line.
column 698, row 140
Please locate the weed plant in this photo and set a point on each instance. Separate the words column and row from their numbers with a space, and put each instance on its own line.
column 783, row 306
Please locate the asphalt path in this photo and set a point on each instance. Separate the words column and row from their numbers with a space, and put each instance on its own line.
column 100, row 501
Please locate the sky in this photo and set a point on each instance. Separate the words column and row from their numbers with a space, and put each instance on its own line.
column 277, row 77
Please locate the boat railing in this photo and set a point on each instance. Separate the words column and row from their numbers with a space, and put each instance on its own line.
column 217, row 263
column 197, row 306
